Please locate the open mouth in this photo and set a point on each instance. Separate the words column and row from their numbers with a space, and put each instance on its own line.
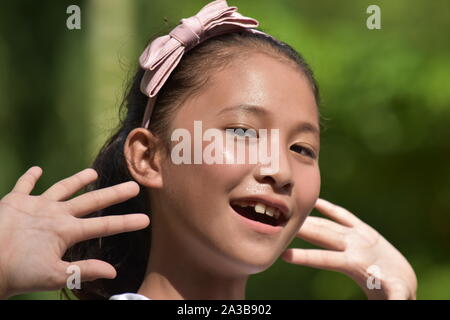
column 259, row 212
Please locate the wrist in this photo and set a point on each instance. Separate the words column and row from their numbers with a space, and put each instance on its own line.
column 4, row 292
column 376, row 294
column 372, row 287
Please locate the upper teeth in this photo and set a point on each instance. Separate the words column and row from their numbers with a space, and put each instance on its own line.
column 260, row 208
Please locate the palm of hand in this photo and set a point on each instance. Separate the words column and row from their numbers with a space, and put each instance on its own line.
column 37, row 230
column 357, row 250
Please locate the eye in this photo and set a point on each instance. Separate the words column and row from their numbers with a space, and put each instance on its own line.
column 243, row 132
column 303, row 150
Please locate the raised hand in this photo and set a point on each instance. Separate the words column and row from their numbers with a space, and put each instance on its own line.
column 35, row 231
column 357, row 250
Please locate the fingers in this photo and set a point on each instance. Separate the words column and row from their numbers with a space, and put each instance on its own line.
column 323, row 232
column 27, row 181
column 99, row 199
column 110, row 225
column 65, row 188
column 336, row 213
column 89, row 270
column 316, row 258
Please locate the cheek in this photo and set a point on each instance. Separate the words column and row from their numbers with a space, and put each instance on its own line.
column 201, row 179
column 307, row 188
column 223, row 177
column 225, row 171
column 221, row 174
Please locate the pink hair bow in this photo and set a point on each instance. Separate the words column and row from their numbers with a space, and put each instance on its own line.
column 163, row 54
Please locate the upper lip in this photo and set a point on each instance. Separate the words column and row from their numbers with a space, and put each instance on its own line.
column 268, row 201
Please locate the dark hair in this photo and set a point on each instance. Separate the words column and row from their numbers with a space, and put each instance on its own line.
column 129, row 252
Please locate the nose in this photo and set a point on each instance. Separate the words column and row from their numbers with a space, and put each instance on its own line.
column 281, row 180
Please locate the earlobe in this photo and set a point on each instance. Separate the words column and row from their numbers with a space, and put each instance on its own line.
column 142, row 154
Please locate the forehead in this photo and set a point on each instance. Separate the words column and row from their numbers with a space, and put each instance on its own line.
column 257, row 79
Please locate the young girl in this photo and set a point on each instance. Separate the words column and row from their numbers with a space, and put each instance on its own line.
column 212, row 224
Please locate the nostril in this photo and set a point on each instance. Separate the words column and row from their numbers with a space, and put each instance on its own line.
column 282, row 188
column 269, row 180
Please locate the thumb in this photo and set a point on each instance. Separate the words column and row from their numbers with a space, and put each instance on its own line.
column 89, row 270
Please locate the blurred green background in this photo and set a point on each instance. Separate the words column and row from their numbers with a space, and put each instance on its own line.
column 385, row 97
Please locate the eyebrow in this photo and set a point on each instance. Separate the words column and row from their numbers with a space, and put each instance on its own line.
column 256, row 110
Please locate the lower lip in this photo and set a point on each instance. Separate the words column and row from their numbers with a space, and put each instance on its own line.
column 258, row 226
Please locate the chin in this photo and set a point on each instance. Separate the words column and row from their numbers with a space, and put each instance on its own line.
column 256, row 260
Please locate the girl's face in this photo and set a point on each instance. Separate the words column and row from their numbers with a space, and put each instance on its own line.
column 194, row 208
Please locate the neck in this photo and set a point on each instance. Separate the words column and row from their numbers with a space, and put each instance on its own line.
column 176, row 273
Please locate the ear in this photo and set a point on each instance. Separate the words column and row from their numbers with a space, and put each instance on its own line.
column 142, row 152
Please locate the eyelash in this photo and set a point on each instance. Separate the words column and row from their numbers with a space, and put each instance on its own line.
column 309, row 152
column 243, row 128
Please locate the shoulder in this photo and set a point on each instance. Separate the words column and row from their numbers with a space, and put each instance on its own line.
column 128, row 296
